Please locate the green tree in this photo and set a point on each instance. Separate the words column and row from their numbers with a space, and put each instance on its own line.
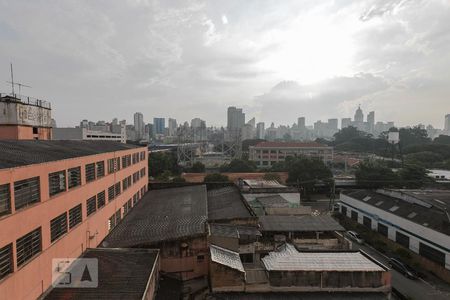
column 413, row 136
column 425, row 159
column 347, row 134
column 307, row 172
column 159, row 162
column 178, row 179
column 197, row 167
column 216, row 177
column 272, row 176
column 374, row 174
column 239, row 166
column 413, row 176
column 442, row 139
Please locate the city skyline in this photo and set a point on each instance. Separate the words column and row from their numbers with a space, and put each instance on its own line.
column 192, row 59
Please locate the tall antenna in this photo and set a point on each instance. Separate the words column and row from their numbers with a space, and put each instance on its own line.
column 20, row 85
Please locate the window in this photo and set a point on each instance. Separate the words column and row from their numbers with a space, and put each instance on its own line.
column 125, row 209
column 100, row 168
column 354, row 216
column 125, row 184
column 112, row 222
column 111, row 195
column 432, row 254
column 200, row 258
column 57, row 182
column 135, row 199
column 90, row 172
column 58, row 227
column 35, row 130
column 383, row 229
column 118, row 216
column 5, row 201
column 28, row 246
column 117, row 190
column 344, row 210
column 91, row 205
column 142, row 155
column 111, row 167
column 75, row 216
column 134, row 158
column 402, row 239
column 367, row 222
column 6, row 261
column 101, row 199
column 74, row 177
column 126, row 160
column 26, row 192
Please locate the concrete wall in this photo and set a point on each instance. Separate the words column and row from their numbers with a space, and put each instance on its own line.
column 34, row 277
column 19, row 132
column 223, row 278
column 152, row 285
column 416, row 233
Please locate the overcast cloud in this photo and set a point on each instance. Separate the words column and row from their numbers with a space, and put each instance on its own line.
column 277, row 59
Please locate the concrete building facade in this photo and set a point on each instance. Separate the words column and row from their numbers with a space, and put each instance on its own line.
column 56, row 200
column 78, row 133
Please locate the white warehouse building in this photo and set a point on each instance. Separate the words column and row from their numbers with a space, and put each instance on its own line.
column 415, row 219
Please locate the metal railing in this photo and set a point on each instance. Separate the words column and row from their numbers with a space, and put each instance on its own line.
column 27, row 100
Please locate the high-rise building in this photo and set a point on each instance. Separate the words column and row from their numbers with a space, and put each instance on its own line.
column 139, row 125
column 333, row 124
column 260, row 132
column 346, row 122
column 235, row 118
column 359, row 116
column 159, row 125
column 447, row 124
column 172, row 127
column 371, row 122
column 301, row 123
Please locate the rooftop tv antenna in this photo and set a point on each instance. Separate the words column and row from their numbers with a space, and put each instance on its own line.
column 20, row 85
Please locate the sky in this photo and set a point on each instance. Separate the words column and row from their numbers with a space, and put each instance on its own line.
column 277, row 59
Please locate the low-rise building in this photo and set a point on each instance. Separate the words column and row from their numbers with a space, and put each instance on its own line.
column 265, row 154
column 130, row 274
column 416, row 219
column 58, row 198
column 81, row 133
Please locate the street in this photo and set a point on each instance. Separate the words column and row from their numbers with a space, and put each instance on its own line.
column 415, row 289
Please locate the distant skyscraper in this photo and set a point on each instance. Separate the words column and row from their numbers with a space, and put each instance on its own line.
column 346, row 122
column 235, row 118
column 139, row 125
column 172, row 127
column 371, row 121
column 359, row 116
column 260, row 132
column 447, row 123
column 333, row 124
column 301, row 122
column 159, row 125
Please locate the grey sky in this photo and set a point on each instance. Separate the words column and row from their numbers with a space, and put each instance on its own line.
column 277, row 59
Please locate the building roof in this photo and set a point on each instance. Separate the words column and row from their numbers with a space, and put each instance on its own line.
column 424, row 207
column 289, row 145
column 273, row 201
column 226, row 257
column 299, row 223
column 262, row 183
column 226, row 203
column 232, row 231
column 27, row 152
column 289, row 259
column 122, row 274
column 162, row 215
column 298, row 296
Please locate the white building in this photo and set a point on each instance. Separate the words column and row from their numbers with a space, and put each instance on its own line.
column 260, row 131
column 78, row 133
column 415, row 219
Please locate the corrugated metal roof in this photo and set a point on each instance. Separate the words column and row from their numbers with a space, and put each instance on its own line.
column 299, row 223
column 226, row 257
column 162, row 215
column 226, row 203
column 273, row 201
column 28, row 152
column 122, row 274
column 233, row 231
column 289, row 259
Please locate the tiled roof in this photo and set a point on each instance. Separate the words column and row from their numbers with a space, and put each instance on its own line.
column 226, row 203
column 299, row 223
column 28, row 152
column 289, row 259
column 162, row 215
column 288, row 145
column 122, row 274
column 233, row 231
column 226, row 257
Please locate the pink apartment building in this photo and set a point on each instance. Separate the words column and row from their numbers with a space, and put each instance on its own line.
column 57, row 199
